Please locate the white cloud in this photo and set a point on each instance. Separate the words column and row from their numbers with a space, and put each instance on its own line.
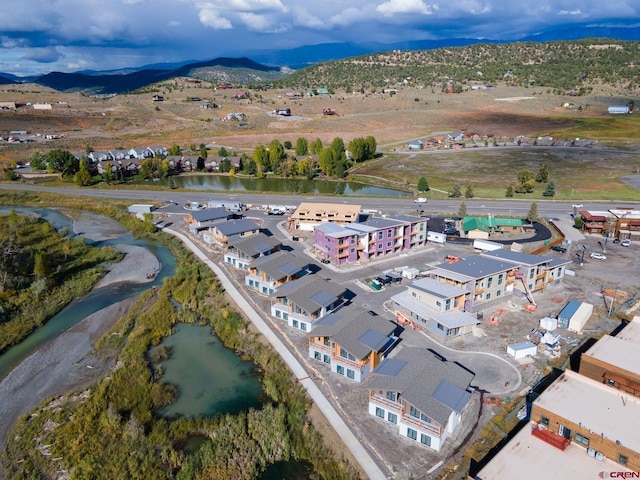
column 572, row 12
column 302, row 17
column 347, row 17
column 391, row 7
column 211, row 18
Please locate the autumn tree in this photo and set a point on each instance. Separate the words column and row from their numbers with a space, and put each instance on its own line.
column 543, row 173
column 532, row 216
column 526, row 179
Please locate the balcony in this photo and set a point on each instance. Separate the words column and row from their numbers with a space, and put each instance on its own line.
column 551, row 438
column 421, row 425
column 343, row 254
column 396, row 407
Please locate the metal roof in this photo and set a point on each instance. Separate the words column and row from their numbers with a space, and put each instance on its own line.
column 517, row 258
column 451, row 395
column 478, row 266
column 437, row 288
column 209, row 214
column 234, row 227
column 451, row 319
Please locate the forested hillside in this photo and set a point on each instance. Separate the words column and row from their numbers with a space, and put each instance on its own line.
column 576, row 66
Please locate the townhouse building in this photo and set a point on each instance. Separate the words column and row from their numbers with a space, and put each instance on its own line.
column 268, row 273
column 222, row 233
column 309, row 215
column 374, row 238
column 301, row 303
column 242, row 251
column 352, row 342
column 421, row 393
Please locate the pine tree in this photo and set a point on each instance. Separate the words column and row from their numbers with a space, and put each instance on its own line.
column 550, row 190
column 423, row 185
column 532, row 216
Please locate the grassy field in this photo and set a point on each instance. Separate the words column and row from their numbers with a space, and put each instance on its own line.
column 578, row 173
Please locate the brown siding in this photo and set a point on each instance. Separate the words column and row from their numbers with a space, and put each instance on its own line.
column 601, row 371
column 605, row 445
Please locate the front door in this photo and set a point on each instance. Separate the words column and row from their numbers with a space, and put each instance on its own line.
column 565, row 432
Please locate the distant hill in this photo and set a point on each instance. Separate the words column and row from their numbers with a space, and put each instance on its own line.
column 232, row 70
column 574, row 66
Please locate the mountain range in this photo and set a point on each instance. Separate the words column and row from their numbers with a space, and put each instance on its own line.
column 265, row 66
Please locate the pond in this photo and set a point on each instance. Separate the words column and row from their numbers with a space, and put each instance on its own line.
column 282, row 185
column 291, row 470
column 212, row 380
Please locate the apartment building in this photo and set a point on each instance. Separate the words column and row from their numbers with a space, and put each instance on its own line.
column 241, row 251
column 266, row 274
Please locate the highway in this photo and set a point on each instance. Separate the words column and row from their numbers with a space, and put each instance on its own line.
column 385, row 205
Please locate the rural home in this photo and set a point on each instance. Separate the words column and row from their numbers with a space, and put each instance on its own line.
column 268, row 273
column 222, row 233
column 304, row 301
column 308, row 215
column 596, row 222
column 615, row 360
column 421, row 393
column 352, row 342
column 242, row 251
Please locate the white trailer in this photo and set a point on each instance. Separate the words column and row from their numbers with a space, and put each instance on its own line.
column 580, row 317
column 486, row 245
column 436, row 237
column 522, row 350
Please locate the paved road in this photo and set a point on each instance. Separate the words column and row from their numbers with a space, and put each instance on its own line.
column 360, row 454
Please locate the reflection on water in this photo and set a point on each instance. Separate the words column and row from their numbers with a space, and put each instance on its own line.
column 283, row 185
column 211, row 379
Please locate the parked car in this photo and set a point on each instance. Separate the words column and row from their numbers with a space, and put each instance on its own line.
column 558, row 248
column 626, row 243
column 451, row 231
column 598, row 256
column 616, row 240
column 420, row 200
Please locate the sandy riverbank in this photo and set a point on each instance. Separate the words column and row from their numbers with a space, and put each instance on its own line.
column 67, row 363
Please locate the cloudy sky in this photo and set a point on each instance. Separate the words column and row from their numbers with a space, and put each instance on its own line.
column 39, row 36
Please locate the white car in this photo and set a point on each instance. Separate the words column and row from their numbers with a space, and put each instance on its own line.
column 577, row 206
column 598, row 256
column 626, row 243
column 420, row 200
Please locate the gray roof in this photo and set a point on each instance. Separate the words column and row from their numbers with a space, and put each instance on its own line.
column 450, row 319
column 478, row 266
column 356, row 330
column 409, row 218
column 518, row 258
column 209, row 214
column 234, row 227
column 419, row 377
column 379, row 222
column 437, row 288
column 310, row 292
column 255, row 245
column 280, row 265
column 334, row 230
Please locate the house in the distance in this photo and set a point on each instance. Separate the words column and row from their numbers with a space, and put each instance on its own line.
column 309, row 215
column 352, row 342
column 421, row 393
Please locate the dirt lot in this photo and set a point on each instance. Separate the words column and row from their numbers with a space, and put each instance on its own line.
column 135, row 120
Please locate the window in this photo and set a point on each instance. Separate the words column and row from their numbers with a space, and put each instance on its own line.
column 544, row 421
column 285, row 316
column 379, row 235
column 326, row 359
column 251, row 283
column 388, row 233
column 388, row 244
column 532, row 273
column 303, row 326
column 424, row 418
column 351, row 374
column 438, row 303
column 278, row 314
column 353, row 250
column 340, row 369
column 392, row 417
column 413, row 411
column 447, row 305
column 425, row 439
column 500, row 277
column 327, row 342
column 343, row 352
column 379, row 412
column 488, row 296
column 412, row 434
column 489, row 282
column 317, row 355
column 379, row 246
column 392, row 396
column 622, row 459
column 498, row 293
column 295, row 323
column 582, row 439
column 611, row 383
column 440, row 326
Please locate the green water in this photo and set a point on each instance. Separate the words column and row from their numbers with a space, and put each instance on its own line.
column 282, row 185
column 292, row 470
column 211, row 379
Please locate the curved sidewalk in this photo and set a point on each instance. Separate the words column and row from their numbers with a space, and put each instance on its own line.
column 360, row 454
